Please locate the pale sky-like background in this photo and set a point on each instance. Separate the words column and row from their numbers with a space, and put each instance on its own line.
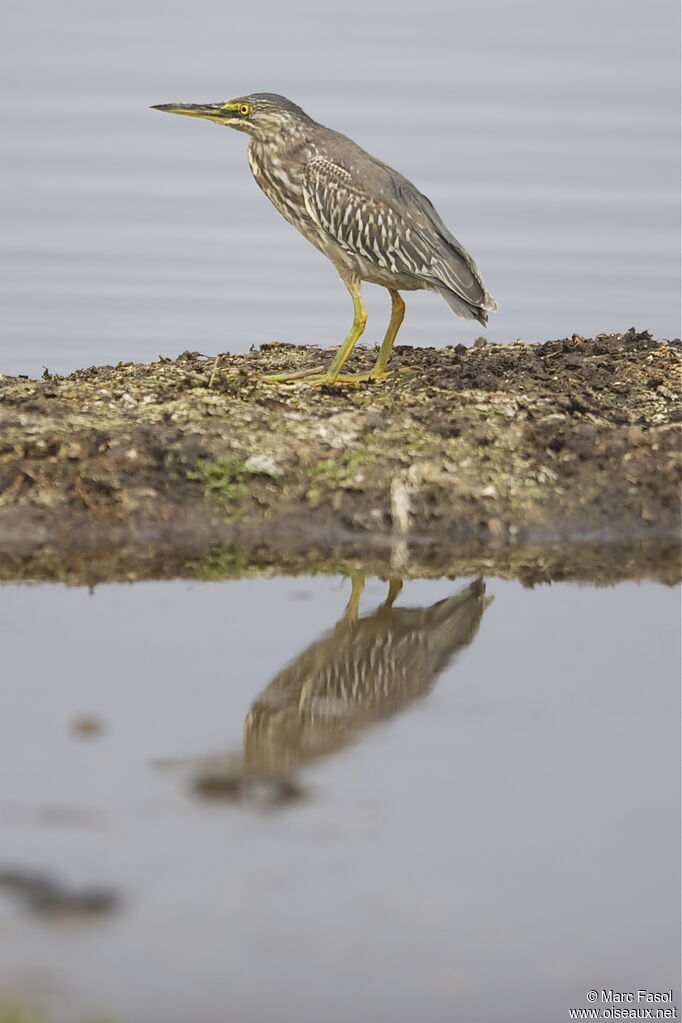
column 546, row 133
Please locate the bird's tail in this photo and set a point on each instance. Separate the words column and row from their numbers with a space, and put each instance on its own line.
column 454, row 622
column 468, row 310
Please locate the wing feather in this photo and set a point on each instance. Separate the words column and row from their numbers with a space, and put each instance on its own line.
column 396, row 228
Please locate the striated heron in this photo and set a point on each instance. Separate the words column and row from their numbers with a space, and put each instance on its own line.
column 365, row 669
column 369, row 220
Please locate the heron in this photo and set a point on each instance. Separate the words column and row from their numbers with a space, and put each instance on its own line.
column 365, row 669
column 368, row 219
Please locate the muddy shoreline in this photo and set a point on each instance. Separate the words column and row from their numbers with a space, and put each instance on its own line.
column 462, row 451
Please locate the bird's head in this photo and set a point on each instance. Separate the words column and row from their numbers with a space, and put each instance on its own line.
column 262, row 115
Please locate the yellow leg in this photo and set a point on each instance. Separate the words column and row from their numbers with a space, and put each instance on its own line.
column 343, row 354
column 397, row 314
column 333, row 374
column 379, row 370
column 394, row 588
column 317, row 377
column 353, row 606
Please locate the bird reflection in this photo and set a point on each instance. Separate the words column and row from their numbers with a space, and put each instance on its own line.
column 366, row 668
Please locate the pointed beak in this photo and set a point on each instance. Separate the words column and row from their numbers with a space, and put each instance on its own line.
column 218, row 112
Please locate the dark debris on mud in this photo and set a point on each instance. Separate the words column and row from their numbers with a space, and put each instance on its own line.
column 45, row 896
column 574, row 439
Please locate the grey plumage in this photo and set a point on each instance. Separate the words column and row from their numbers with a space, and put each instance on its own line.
column 368, row 219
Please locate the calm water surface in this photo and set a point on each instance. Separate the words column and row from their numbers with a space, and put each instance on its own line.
column 492, row 850
column 546, row 134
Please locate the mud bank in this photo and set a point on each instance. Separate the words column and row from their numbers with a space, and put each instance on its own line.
column 575, row 440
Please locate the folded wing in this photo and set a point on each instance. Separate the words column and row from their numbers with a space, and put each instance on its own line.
column 396, row 228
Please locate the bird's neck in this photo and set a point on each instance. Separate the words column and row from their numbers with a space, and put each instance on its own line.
column 285, row 142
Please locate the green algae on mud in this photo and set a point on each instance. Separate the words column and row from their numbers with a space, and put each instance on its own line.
column 571, row 440
column 17, row 1011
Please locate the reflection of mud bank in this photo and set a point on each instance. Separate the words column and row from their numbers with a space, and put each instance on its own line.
column 599, row 563
column 572, row 439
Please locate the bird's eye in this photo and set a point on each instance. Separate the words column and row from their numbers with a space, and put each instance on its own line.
column 245, row 109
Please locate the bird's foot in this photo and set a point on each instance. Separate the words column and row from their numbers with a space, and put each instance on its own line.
column 294, row 376
column 329, row 380
column 316, row 377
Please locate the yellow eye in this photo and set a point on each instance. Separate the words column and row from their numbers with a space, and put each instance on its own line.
column 245, row 109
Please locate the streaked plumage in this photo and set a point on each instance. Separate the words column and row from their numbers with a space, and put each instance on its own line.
column 369, row 220
column 365, row 669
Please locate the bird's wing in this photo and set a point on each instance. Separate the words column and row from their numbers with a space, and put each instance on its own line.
column 362, row 224
column 396, row 228
column 453, row 263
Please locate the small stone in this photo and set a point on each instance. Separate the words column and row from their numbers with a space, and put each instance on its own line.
column 264, row 465
column 636, row 436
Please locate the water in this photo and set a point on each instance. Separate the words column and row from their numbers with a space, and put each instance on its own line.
column 546, row 133
column 497, row 847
